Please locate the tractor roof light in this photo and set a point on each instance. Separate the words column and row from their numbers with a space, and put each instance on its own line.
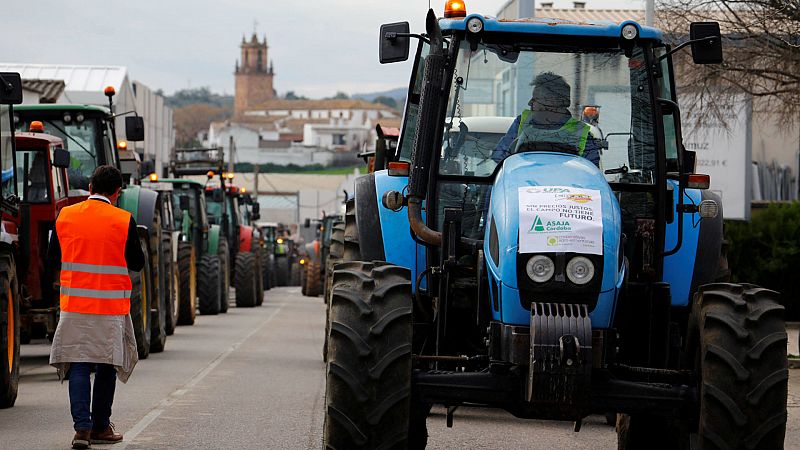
column 630, row 32
column 36, row 127
column 475, row 25
column 210, row 174
column 109, row 91
column 455, row 9
column 122, row 145
column 229, row 175
column 279, row 240
column 154, row 177
column 302, row 261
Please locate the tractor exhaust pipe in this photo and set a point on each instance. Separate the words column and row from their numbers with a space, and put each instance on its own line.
column 426, row 132
column 418, row 225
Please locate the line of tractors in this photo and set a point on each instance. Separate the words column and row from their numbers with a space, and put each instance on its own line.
column 200, row 237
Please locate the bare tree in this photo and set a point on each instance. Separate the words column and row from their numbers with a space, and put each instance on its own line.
column 761, row 41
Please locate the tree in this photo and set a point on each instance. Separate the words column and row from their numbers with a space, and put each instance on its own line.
column 292, row 96
column 388, row 101
column 202, row 95
column 340, row 96
column 193, row 119
column 761, row 45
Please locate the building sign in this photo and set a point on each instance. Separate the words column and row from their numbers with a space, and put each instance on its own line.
column 560, row 219
column 723, row 152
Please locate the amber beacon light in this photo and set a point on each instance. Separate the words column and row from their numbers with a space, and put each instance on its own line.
column 454, row 9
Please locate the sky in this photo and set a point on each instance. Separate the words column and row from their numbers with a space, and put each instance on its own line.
column 318, row 47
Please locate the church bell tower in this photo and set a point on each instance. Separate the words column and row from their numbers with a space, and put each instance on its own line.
column 253, row 75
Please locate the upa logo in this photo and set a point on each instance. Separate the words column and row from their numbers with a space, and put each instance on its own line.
column 547, row 190
column 575, row 197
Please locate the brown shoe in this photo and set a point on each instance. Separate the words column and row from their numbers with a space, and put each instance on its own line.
column 82, row 439
column 107, row 436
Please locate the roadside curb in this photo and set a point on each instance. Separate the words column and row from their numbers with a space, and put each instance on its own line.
column 794, row 363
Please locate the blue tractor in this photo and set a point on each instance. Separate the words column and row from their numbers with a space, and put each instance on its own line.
column 523, row 252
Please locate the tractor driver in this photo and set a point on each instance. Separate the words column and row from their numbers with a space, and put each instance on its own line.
column 549, row 120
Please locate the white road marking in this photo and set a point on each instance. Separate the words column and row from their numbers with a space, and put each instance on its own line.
column 151, row 416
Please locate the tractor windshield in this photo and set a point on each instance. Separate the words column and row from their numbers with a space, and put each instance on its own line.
column 86, row 141
column 507, row 99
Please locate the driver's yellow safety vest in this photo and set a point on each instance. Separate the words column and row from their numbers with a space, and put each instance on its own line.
column 574, row 133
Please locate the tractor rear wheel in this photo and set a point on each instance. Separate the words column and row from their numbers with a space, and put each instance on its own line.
column 313, row 282
column 246, row 285
column 743, row 367
column 187, row 269
column 282, row 271
column 158, row 316
column 266, row 268
column 294, row 274
column 209, row 286
column 172, row 284
column 257, row 275
column 368, row 395
column 225, row 272
column 352, row 246
column 334, row 257
column 9, row 332
column 140, row 306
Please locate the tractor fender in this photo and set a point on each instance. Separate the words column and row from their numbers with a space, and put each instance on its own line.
column 141, row 203
column 213, row 239
column 368, row 221
column 245, row 238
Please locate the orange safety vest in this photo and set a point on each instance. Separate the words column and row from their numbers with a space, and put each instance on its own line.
column 94, row 272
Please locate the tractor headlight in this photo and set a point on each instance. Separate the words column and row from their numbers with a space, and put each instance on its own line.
column 580, row 270
column 540, row 268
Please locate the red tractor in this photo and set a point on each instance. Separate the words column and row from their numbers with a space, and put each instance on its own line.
column 42, row 182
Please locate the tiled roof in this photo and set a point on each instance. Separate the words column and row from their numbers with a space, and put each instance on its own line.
column 308, row 105
column 49, row 90
column 584, row 15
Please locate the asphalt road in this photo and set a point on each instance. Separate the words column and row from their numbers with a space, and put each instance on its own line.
column 254, row 378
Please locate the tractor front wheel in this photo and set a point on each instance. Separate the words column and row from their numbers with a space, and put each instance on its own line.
column 140, row 306
column 225, row 269
column 209, row 286
column 187, row 284
column 246, row 285
column 368, row 395
column 9, row 333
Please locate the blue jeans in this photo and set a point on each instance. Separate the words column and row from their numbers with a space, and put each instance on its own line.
column 80, row 395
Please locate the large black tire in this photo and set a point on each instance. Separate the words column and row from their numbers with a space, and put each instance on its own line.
column 334, row 257
column 187, row 268
column 225, row 270
column 140, row 306
column 259, row 278
column 158, row 315
column 209, row 286
column 313, row 279
column 172, row 286
column 743, row 367
column 368, row 395
column 266, row 268
column 9, row 331
column 352, row 246
column 295, row 274
column 282, row 271
column 246, row 284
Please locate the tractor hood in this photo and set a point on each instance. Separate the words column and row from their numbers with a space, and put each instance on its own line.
column 555, row 198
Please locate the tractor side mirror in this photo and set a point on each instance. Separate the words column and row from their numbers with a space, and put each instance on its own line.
column 708, row 48
column 184, row 202
column 134, row 128
column 61, row 158
column 307, row 223
column 256, row 208
column 394, row 42
column 10, row 88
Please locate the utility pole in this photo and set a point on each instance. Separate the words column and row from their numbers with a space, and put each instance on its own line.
column 231, row 152
column 649, row 12
column 255, row 181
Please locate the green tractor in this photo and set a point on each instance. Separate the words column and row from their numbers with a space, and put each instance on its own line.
column 268, row 231
column 89, row 134
column 224, row 210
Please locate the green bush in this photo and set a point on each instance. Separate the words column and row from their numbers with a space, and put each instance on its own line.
column 766, row 252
